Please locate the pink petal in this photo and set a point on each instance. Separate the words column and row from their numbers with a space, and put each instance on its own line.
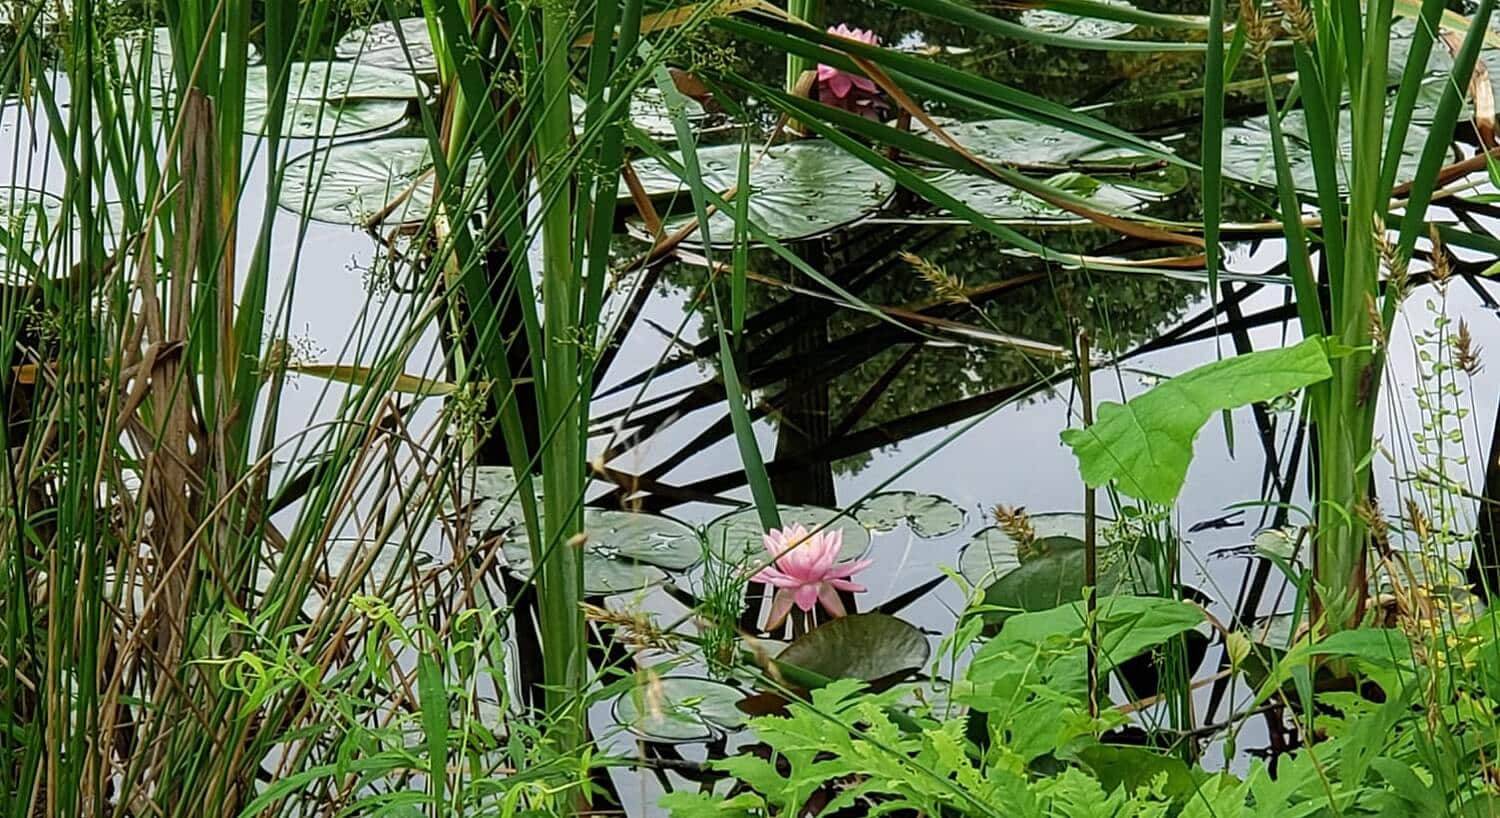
column 781, row 605
column 847, row 569
column 807, row 596
column 781, row 580
column 830, row 599
column 840, row 84
column 864, row 84
column 846, row 585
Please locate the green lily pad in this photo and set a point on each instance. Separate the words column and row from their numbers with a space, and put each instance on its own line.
column 1035, row 148
column 1004, row 203
column 327, row 99
column 625, row 551
column 739, row 537
column 866, row 646
column 1056, row 577
column 27, row 217
column 381, row 44
column 680, row 709
column 161, row 82
column 798, row 190
column 1086, row 28
column 1248, row 153
column 928, row 514
column 353, row 182
column 992, row 552
column 648, row 111
column 489, row 494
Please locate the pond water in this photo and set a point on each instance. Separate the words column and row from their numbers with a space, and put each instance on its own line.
column 857, row 402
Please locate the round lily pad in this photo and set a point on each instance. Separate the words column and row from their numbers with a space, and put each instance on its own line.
column 798, row 190
column 1248, row 154
column 992, row 552
column 1005, row 203
column 489, row 495
column 739, row 537
column 326, row 99
column 928, row 514
column 354, row 182
column 27, row 217
column 648, row 111
column 624, row 551
column 866, row 646
column 679, row 709
column 405, row 45
column 1086, row 28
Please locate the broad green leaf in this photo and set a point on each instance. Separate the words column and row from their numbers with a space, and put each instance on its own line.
column 1146, row 444
column 1128, row 626
column 992, row 552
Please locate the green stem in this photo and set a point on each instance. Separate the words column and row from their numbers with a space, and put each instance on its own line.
column 560, row 575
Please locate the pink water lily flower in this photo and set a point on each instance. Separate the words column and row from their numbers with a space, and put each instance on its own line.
column 851, row 92
column 805, row 571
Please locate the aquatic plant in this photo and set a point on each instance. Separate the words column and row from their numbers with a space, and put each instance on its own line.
column 847, row 90
column 805, row 571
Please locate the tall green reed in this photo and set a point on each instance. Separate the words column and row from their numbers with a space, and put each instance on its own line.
column 1342, row 53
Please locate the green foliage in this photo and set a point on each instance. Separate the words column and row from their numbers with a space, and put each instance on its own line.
column 1146, row 444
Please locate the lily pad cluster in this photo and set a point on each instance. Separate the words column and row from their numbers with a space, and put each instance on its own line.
column 148, row 57
column 1249, row 157
column 871, row 647
column 326, row 99
column 623, row 550
column 1106, row 177
column 928, row 515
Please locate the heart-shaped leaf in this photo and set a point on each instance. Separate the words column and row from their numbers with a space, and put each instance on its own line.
column 992, row 551
column 1057, row 577
column 1146, row 444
